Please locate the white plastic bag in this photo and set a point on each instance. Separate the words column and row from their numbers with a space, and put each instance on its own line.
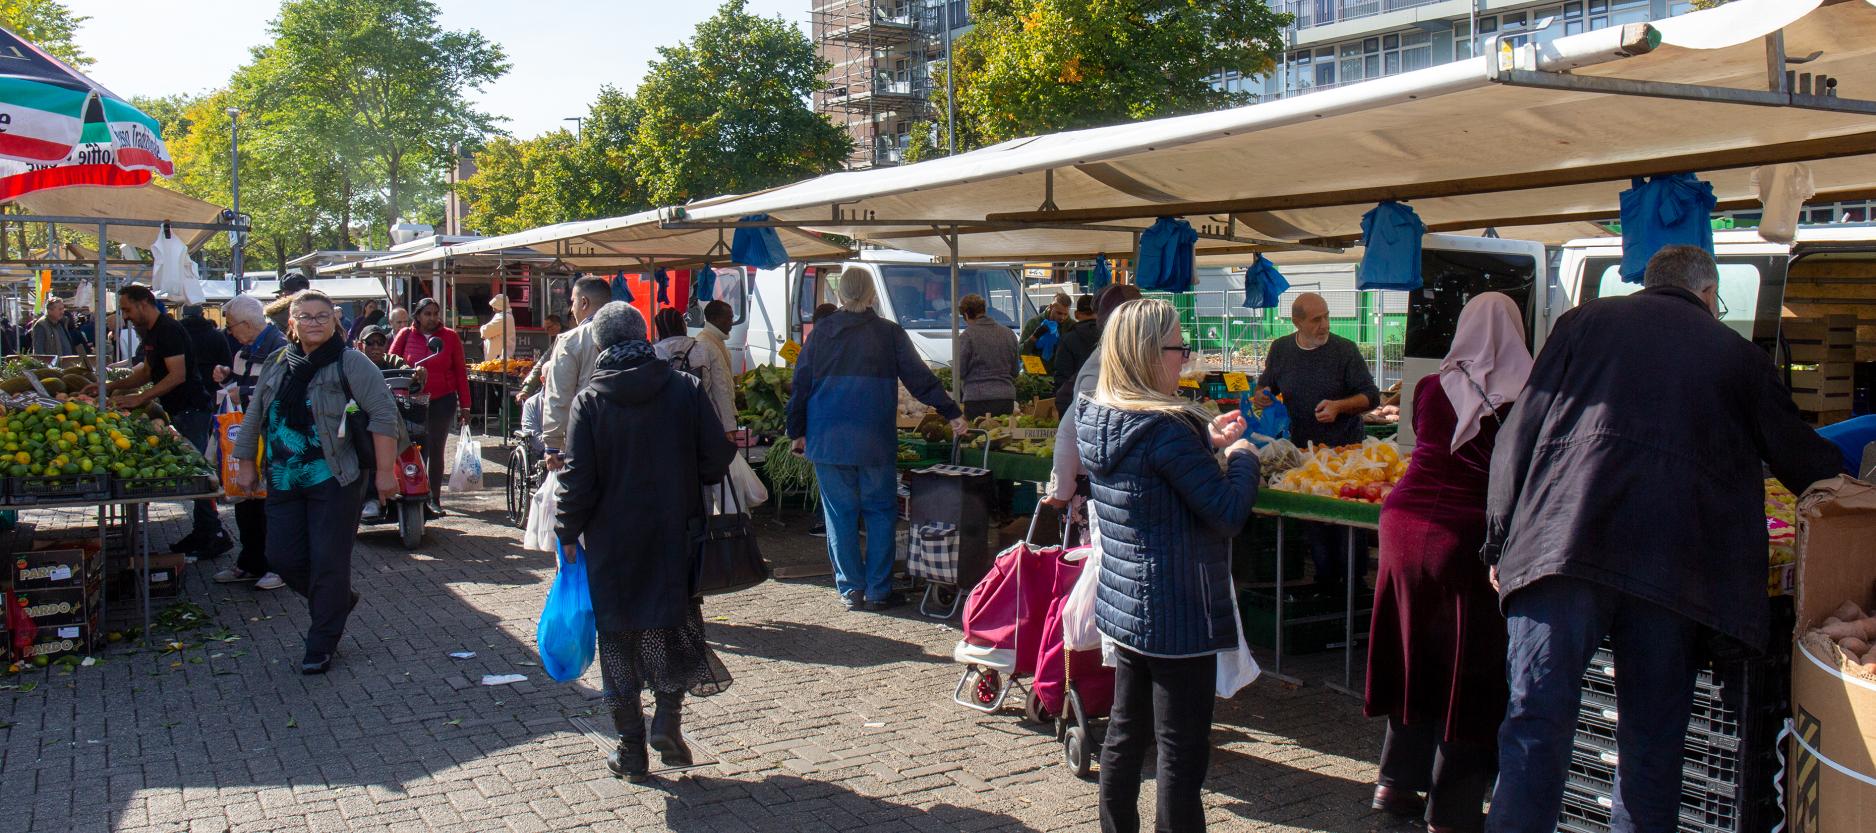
column 466, row 474
column 747, row 484
column 1236, row 669
column 542, row 507
column 173, row 273
column 1078, row 630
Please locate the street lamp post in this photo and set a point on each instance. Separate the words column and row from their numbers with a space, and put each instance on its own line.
column 234, row 187
column 579, row 126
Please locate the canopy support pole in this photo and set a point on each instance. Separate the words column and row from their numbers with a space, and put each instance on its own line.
column 1775, row 62
column 1048, row 191
column 957, row 375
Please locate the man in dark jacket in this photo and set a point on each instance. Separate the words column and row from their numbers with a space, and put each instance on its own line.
column 1626, row 501
column 840, row 414
column 210, row 351
column 1078, row 342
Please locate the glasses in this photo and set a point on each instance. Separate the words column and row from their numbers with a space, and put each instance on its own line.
column 1183, row 351
column 314, row 318
column 1722, row 299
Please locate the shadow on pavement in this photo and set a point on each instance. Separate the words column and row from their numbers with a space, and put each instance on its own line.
column 812, row 644
column 694, row 805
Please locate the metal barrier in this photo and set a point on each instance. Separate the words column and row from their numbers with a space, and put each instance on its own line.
column 1226, row 336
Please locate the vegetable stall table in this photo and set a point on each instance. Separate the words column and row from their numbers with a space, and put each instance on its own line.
column 1355, row 515
column 490, row 394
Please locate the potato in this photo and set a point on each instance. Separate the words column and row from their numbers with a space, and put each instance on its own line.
column 1868, row 626
column 1848, row 612
column 1831, row 621
column 1854, row 647
column 1844, row 630
column 1869, row 657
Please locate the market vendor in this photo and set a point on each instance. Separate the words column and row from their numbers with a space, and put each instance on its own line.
column 1327, row 387
column 1625, row 502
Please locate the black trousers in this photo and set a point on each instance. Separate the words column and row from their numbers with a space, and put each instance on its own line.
column 437, row 426
column 310, row 533
column 196, row 427
column 1455, row 775
column 989, row 407
column 1167, row 699
column 251, row 522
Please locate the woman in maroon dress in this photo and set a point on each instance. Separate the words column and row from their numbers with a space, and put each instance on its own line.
column 1436, row 657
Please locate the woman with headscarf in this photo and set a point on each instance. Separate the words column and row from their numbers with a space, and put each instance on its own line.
column 447, row 385
column 1436, row 657
column 640, row 422
column 498, row 334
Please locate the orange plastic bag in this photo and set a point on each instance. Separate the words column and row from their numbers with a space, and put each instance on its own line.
column 225, row 426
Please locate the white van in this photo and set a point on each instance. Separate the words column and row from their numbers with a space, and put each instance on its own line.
column 911, row 289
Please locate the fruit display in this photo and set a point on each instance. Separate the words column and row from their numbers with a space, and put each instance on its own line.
column 1365, row 472
column 76, row 438
column 512, row 367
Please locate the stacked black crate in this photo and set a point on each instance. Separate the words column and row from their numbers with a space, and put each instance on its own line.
column 1728, row 761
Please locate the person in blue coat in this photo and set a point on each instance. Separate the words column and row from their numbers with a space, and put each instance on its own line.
column 1165, row 512
column 841, row 415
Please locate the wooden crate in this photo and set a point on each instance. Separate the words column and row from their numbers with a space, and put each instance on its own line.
column 1823, row 418
column 1830, row 378
column 1819, row 402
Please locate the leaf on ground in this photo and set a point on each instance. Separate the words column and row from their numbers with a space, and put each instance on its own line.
column 27, row 688
column 171, row 724
column 456, row 722
column 293, row 723
column 5, row 724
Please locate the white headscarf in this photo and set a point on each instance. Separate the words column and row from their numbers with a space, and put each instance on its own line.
column 1488, row 365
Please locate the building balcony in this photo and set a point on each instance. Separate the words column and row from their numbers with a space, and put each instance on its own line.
column 879, row 28
column 1313, row 13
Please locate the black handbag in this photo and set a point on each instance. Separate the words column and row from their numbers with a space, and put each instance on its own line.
column 357, row 428
column 724, row 555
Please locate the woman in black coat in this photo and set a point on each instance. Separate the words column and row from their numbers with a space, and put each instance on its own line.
column 643, row 443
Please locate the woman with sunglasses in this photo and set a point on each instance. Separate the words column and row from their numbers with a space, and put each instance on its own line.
column 1164, row 511
column 447, row 385
column 1435, row 611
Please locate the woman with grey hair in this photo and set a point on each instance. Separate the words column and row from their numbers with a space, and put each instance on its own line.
column 640, row 422
column 846, row 395
column 252, row 339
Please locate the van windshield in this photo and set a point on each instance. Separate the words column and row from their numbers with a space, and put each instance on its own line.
column 921, row 295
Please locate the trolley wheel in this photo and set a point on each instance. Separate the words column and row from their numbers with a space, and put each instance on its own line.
column 410, row 523
column 1032, row 709
column 520, row 476
column 1075, row 752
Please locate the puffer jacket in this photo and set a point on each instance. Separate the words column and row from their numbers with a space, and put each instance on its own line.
column 1167, row 515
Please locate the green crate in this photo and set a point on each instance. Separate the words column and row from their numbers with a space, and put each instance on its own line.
column 1254, row 552
column 1311, row 625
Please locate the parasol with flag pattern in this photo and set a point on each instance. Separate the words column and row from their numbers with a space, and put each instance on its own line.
column 59, row 128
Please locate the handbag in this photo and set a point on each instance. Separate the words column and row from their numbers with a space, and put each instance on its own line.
column 357, row 428
column 725, row 557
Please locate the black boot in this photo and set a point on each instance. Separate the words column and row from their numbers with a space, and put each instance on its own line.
column 630, row 760
column 667, row 732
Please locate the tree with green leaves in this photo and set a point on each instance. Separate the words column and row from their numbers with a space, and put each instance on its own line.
column 49, row 25
column 726, row 111
column 1040, row 66
column 380, row 88
column 521, row 184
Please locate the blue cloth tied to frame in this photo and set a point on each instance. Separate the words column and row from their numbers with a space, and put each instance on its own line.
column 1164, row 262
column 1263, row 284
column 663, row 280
column 1101, row 275
column 1390, row 258
column 620, row 290
column 703, row 285
column 756, row 246
column 1667, row 210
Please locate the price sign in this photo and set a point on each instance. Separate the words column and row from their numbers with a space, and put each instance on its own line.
column 1033, row 366
column 1237, row 382
column 1189, row 382
column 789, row 351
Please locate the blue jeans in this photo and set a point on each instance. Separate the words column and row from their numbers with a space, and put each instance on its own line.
column 848, row 494
column 1556, row 624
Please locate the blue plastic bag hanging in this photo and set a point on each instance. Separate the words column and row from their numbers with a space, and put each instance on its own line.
column 1047, row 338
column 703, row 285
column 1164, row 262
column 663, row 280
column 1263, row 284
column 1669, row 210
column 756, row 246
column 620, row 291
column 567, row 632
column 1390, row 258
column 1271, row 423
column 1101, row 275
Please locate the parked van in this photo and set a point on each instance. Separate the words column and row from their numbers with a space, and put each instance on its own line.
column 911, row 289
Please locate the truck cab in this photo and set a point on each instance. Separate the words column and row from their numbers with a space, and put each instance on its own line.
column 910, row 289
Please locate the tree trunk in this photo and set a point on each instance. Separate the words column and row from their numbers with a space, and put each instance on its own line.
column 393, row 169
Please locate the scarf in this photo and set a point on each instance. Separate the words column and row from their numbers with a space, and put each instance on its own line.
column 1488, row 364
column 300, row 369
column 626, row 354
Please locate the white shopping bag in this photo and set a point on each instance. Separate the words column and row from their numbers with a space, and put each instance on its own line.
column 466, row 474
column 542, row 508
column 1078, row 630
column 1236, row 669
column 747, row 484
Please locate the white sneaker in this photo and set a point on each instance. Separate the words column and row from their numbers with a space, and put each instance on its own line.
column 233, row 575
column 271, row 581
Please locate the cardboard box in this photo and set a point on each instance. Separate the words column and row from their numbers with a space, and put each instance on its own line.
column 1833, row 710
column 37, row 569
column 59, row 640
column 61, row 605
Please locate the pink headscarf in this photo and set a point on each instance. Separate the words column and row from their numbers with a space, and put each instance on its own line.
column 1488, row 364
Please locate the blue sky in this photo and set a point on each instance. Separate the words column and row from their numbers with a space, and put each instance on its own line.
column 561, row 51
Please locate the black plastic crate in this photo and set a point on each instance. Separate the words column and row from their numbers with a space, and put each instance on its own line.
column 1704, row 770
column 182, row 484
column 1698, row 807
column 31, row 489
column 1708, row 717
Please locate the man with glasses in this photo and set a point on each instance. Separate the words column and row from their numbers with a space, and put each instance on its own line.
column 168, row 366
column 1326, row 387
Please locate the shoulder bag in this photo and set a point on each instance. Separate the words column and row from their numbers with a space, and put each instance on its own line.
column 724, row 557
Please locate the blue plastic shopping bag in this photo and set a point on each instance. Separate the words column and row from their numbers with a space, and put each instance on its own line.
column 1272, row 422
column 567, row 634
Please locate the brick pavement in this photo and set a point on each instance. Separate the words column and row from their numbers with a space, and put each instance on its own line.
column 837, row 721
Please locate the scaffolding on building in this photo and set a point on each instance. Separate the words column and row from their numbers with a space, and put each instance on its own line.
column 878, row 86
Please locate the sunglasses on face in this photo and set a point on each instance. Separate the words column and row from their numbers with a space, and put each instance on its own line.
column 1183, row 351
